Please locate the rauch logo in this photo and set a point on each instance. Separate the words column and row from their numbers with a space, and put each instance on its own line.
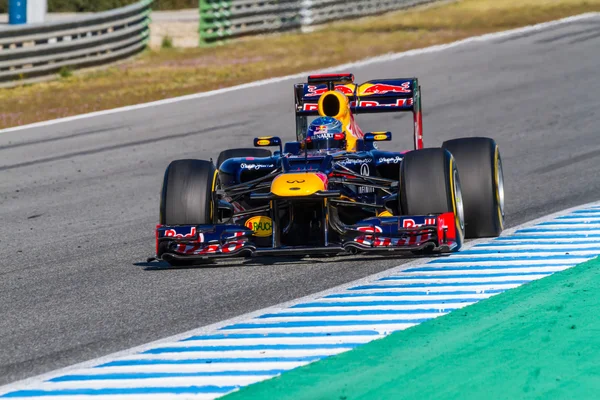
column 262, row 226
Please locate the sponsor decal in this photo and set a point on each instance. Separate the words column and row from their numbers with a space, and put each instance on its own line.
column 296, row 181
column 255, row 166
column 355, row 161
column 390, row 160
column 172, row 233
column 315, row 91
column 262, row 226
column 263, row 142
column 383, row 88
column 365, row 171
column 310, row 107
column 370, row 229
column 410, row 223
column 323, row 136
column 380, row 137
column 373, row 103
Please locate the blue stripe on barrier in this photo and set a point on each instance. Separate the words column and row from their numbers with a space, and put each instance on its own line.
column 308, row 346
column 154, row 375
column 188, row 361
column 120, row 391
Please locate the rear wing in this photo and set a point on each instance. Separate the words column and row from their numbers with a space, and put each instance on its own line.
column 375, row 96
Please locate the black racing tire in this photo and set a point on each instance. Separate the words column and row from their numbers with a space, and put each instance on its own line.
column 430, row 184
column 242, row 152
column 480, row 168
column 187, row 193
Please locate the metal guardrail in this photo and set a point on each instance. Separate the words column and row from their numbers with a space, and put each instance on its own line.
column 223, row 19
column 30, row 52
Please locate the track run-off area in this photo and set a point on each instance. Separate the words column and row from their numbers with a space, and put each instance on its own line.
column 80, row 200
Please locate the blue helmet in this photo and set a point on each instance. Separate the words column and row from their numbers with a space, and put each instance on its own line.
column 325, row 133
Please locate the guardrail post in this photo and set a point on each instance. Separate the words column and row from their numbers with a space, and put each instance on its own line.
column 306, row 15
column 36, row 11
column 17, row 12
column 215, row 22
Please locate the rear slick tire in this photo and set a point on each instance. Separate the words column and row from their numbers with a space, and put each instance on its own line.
column 480, row 167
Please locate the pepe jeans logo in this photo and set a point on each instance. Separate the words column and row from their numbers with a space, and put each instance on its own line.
column 390, row 160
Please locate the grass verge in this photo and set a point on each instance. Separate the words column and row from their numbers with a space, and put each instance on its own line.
column 172, row 72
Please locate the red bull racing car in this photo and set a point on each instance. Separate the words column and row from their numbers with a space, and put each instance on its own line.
column 333, row 190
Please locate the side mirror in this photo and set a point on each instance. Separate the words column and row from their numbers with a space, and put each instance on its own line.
column 378, row 137
column 268, row 141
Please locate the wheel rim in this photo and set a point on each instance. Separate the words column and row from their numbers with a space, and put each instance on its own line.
column 500, row 184
column 460, row 211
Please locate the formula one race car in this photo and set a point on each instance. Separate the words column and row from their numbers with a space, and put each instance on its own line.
column 333, row 190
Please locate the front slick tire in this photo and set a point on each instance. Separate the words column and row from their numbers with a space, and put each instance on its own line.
column 480, row 167
column 429, row 184
column 187, row 196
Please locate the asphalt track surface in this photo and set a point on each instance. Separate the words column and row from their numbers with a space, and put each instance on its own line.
column 80, row 199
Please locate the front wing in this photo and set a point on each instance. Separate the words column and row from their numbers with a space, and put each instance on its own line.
column 432, row 233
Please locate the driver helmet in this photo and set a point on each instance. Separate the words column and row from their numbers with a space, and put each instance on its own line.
column 325, row 133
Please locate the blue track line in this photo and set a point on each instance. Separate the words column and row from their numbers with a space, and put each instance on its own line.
column 121, row 391
column 305, row 324
column 308, row 346
column 408, row 294
column 382, row 303
column 154, row 375
column 282, row 335
column 208, row 360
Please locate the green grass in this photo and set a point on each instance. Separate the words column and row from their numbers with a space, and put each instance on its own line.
column 170, row 72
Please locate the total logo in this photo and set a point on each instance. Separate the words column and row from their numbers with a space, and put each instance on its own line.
column 370, row 229
column 262, row 226
column 410, row 223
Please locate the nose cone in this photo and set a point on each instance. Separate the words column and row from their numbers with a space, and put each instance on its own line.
column 299, row 184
